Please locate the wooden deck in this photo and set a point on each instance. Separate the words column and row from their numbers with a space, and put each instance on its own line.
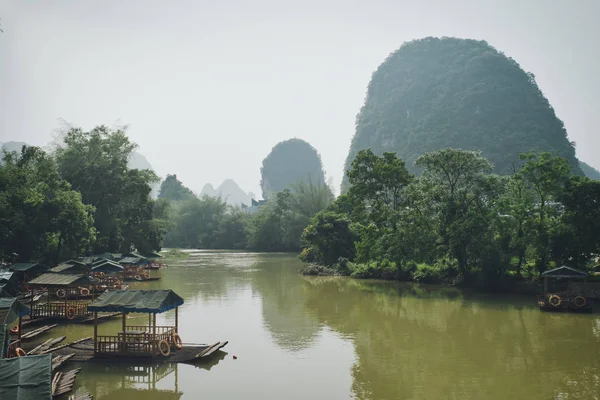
column 62, row 382
column 84, row 351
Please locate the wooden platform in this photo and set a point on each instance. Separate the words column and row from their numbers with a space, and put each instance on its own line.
column 152, row 278
column 84, row 351
column 63, row 382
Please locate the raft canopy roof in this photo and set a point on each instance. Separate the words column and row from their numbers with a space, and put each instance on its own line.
column 106, row 266
column 28, row 377
column 136, row 301
column 11, row 309
column 7, row 276
column 564, row 272
column 7, row 290
column 73, row 268
column 27, row 267
column 133, row 261
column 64, row 280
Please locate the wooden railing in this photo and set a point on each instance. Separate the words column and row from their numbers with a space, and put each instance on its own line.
column 59, row 310
column 134, row 344
column 11, row 352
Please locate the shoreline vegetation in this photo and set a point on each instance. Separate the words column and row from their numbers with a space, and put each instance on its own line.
column 456, row 223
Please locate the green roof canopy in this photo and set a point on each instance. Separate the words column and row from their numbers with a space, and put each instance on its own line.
column 106, row 266
column 7, row 290
column 27, row 267
column 7, row 276
column 26, row 378
column 74, row 262
column 152, row 255
column 137, row 301
column 565, row 272
column 4, row 337
column 72, row 268
column 11, row 309
column 65, row 280
column 133, row 261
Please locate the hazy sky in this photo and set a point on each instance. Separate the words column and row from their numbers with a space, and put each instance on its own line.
column 209, row 87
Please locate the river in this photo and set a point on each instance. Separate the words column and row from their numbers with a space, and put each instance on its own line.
column 301, row 337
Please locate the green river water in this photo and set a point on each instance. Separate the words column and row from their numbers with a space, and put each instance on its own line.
column 301, row 337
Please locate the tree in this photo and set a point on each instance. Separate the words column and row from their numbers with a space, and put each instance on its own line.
column 40, row 216
column 577, row 240
column 378, row 184
column 290, row 162
column 435, row 93
column 547, row 175
column 172, row 189
column 459, row 195
column 328, row 237
column 95, row 163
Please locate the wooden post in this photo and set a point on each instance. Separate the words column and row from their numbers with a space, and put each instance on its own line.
column 95, row 331
column 154, row 333
column 149, row 320
column 66, row 301
column 545, row 285
column 176, row 378
column 176, row 319
column 20, row 326
column 124, row 321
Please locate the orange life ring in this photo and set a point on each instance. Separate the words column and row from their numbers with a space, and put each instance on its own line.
column 20, row 352
column 70, row 313
column 15, row 329
column 164, row 348
column 84, row 291
column 554, row 300
column 579, row 301
column 146, row 275
column 177, row 340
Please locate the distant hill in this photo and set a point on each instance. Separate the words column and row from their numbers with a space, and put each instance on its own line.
column 229, row 191
column 288, row 163
column 590, row 171
column 436, row 93
column 13, row 146
column 139, row 161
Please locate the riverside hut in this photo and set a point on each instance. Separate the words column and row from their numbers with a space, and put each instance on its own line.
column 565, row 288
column 61, row 285
column 136, row 340
column 11, row 312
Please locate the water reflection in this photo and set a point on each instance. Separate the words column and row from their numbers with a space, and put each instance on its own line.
column 110, row 380
column 415, row 343
column 331, row 337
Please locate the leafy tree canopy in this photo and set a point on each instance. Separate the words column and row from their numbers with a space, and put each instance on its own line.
column 436, row 93
column 172, row 189
column 96, row 165
column 41, row 217
column 290, row 162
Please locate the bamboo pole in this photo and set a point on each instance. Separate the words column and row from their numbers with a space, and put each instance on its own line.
column 154, row 333
column 176, row 319
column 95, row 332
column 20, row 327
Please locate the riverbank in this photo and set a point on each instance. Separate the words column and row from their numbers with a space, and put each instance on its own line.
column 439, row 274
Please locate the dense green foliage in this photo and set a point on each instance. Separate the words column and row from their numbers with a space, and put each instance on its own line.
column 172, row 189
column 436, row 93
column 209, row 223
column 456, row 221
column 95, row 163
column 81, row 199
column 289, row 163
column 41, row 217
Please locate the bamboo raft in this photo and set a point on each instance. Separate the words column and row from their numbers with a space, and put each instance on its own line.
column 46, row 345
column 83, row 350
column 60, row 360
column 63, row 382
column 36, row 332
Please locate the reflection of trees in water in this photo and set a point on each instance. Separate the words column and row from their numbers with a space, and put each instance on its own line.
column 209, row 275
column 416, row 343
column 283, row 296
